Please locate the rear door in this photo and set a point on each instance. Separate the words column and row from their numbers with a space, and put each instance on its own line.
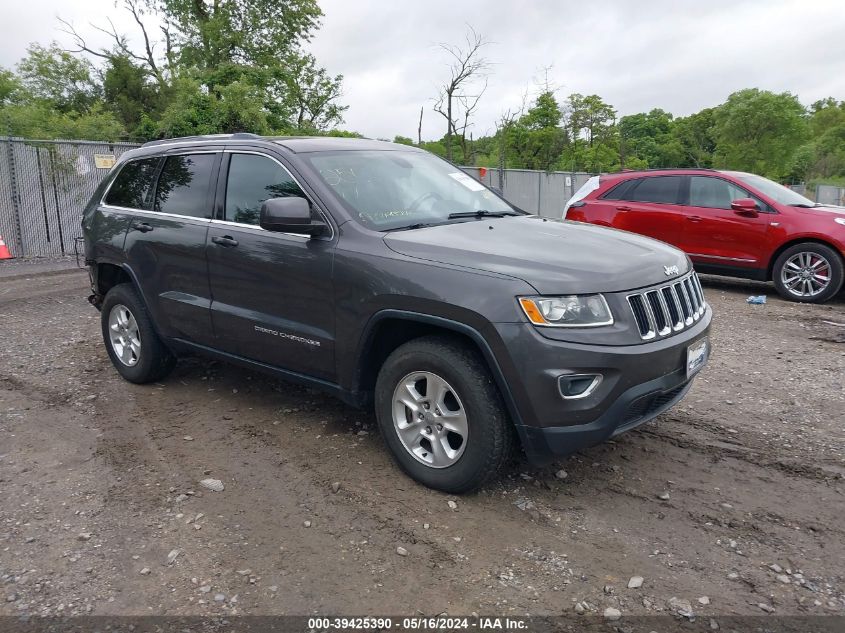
column 130, row 191
column 714, row 234
column 165, row 245
column 273, row 296
column 649, row 206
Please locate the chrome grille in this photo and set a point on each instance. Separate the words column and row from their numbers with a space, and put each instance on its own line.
column 668, row 308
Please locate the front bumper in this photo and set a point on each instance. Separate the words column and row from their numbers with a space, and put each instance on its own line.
column 639, row 382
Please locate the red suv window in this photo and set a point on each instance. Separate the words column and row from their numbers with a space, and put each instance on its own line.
column 717, row 193
column 659, row 189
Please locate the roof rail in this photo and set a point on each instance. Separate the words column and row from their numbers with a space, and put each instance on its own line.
column 203, row 137
column 626, row 170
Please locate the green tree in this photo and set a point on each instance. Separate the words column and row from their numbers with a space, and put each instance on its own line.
column 535, row 140
column 235, row 107
column 759, row 131
column 55, row 76
column 214, row 36
column 591, row 126
column 648, row 136
column 10, row 86
column 312, row 95
column 589, row 118
column 54, row 95
column 130, row 94
column 695, row 134
column 230, row 51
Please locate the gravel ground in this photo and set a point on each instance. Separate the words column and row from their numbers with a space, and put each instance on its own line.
column 731, row 503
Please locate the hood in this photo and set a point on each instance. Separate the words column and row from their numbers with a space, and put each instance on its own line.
column 554, row 256
column 825, row 209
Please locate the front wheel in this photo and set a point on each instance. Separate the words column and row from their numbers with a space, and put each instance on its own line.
column 441, row 414
column 808, row 273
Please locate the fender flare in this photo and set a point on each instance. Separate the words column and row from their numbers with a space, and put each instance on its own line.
column 462, row 328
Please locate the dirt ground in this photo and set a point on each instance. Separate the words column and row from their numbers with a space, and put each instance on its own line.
column 731, row 503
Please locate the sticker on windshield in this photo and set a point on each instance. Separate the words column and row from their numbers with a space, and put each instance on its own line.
column 467, row 181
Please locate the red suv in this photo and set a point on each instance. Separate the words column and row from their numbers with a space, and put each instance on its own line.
column 728, row 222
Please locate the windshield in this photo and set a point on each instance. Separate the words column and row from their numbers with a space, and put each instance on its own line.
column 778, row 193
column 389, row 190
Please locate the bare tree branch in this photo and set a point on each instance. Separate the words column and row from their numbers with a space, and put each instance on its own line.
column 131, row 6
column 121, row 48
column 467, row 64
column 81, row 46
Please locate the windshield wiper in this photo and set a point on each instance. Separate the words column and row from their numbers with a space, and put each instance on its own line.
column 411, row 227
column 804, row 205
column 481, row 213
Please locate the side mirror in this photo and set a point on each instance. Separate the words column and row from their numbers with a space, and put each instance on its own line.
column 290, row 215
column 746, row 207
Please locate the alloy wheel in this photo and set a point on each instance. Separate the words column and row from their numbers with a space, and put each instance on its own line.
column 806, row 274
column 124, row 335
column 430, row 419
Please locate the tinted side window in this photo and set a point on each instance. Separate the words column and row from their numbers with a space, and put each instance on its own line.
column 715, row 193
column 182, row 187
column 252, row 180
column 664, row 189
column 133, row 184
column 619, row 191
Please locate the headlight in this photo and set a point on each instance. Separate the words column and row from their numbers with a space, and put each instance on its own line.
column 569, row 311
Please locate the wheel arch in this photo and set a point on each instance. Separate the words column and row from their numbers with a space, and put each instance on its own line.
column 391, row 328
column 110, row 275
column 115, row 274
column 808, row 239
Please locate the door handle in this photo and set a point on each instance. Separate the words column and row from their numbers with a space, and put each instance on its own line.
column 623, row 208
column 144, row 227
column 694, row 218
column 225, row 240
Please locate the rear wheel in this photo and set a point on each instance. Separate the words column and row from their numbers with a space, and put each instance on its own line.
column 442, row 415
column 135, row 349
column 808, row 273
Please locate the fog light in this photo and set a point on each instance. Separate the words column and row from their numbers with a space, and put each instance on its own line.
column 575, row 386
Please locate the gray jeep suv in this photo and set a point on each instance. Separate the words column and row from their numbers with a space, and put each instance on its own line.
column 389, row 278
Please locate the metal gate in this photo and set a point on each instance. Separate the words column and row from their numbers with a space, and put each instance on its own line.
column 540, row 192
column 830, row 194
column 44, row 186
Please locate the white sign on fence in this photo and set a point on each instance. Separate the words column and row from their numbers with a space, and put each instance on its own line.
column 104, row 161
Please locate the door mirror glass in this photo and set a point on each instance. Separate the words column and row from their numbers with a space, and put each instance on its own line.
column 290, row 215
column 745, row 206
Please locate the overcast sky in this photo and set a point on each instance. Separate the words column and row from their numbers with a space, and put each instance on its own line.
column 679, row 56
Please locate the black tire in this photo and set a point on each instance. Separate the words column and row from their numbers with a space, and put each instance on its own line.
column 153, row 360
column 490, row 435
column 813, row 249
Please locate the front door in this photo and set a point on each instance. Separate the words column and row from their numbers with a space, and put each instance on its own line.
column 273, row 297
column 714, row 234
column 165, row 246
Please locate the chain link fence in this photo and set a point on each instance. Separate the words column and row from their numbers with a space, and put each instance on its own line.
column 44, row 186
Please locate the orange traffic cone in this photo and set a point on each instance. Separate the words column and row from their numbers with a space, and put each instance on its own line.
column 4, row 250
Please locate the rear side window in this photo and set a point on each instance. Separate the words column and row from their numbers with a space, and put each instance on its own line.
column 133, row 185
column 619, row 191
column 662, row 189
column 182, row 187
column 252, row 180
